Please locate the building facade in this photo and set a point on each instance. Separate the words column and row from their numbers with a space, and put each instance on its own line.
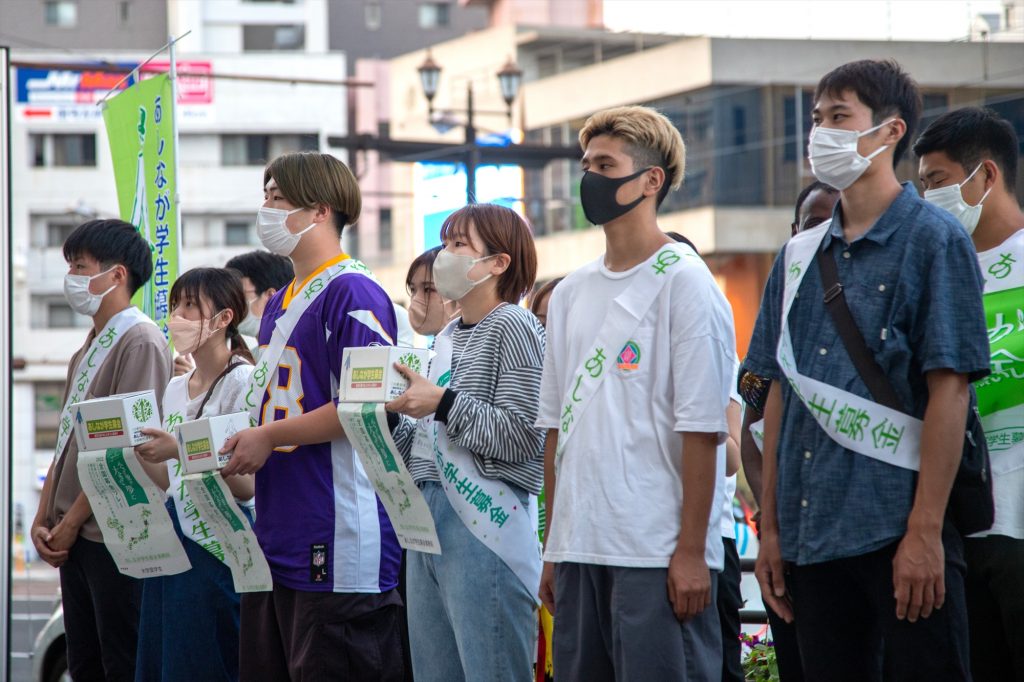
column 62, row 172
column 742, row 105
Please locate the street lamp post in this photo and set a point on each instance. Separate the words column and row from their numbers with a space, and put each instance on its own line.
column 510, row 77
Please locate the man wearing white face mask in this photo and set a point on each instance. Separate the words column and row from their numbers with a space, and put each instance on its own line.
column 263, row 275
column 107, row 262
column 968, row 165
column 333, row 554
column 863, row 438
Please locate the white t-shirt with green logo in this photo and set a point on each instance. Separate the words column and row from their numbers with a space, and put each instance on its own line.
column 618, row 491
column 1001, row 394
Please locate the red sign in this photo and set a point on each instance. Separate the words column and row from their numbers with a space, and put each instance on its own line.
column 193, row 87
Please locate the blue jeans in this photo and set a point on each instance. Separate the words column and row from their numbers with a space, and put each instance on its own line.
column 470, row 617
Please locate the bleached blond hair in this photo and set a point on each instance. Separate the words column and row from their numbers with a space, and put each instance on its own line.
column 650, row 137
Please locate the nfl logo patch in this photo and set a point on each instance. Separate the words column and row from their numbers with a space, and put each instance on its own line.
column 629, row 357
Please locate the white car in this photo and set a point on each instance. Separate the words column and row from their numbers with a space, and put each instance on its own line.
column 50, row 653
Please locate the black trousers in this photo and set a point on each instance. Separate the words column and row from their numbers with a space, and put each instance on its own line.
column 847, row 627
column 318, row 636
column 101, row 614
column 787, row 649
column 995, row 607
column 730, row 601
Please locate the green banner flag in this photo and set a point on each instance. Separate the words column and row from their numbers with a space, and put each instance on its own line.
column 140, row 127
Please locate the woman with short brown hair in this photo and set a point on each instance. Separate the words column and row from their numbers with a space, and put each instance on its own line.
column 476, row 455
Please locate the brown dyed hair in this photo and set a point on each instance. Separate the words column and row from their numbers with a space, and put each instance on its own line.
column 502, row 230
column 307, row 179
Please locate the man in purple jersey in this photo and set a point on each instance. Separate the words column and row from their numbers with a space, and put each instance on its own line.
column 334, row 611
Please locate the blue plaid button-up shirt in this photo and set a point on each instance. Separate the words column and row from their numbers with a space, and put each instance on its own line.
column 913, row 286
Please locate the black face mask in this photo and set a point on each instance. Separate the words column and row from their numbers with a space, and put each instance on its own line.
column 597, row 194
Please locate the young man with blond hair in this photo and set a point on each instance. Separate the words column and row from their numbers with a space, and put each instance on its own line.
column 334, row 557
column 636, row 384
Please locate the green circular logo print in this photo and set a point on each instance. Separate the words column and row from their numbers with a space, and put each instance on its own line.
column 142, row 410
column 412, row 361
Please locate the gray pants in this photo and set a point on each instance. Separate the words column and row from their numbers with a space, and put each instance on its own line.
column 616, row 624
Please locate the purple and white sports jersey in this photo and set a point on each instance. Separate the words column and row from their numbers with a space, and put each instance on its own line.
column 318, row 518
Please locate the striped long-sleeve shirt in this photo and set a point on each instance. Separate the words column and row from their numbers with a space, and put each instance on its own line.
column 496, row 382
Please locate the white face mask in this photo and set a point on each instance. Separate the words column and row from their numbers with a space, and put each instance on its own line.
column 81, row 300
column 951, row 198
column 834, row 157
column 250, row 326
column 274, row 233
column 451, row 274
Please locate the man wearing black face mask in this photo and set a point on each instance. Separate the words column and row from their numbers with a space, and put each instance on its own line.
column 634, row 395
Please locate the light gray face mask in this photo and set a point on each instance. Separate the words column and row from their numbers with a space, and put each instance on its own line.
column 274, row 233
column 81, row 300
column 451, row 274
column 834, row 157
column 250, row 326
column 951, row 198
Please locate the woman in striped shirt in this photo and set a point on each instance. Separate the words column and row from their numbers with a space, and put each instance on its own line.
column 472, row 448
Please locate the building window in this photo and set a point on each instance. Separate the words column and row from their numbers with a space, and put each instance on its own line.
column 257, row 150
column 244, row 150
column 372, row 16
column 57, row 232
column 261, row 37
column 739, row 126
column 49, row 400
column 68, row 150
column 59, row 315
column 53, row 312
column 62, row 13
column 796, row 136
column 237, row 233
column 384, row 230
column 434, row 15
column 38, row 145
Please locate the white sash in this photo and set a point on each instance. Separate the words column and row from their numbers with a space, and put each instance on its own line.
column 488, row 507
column 266, row 366
column 855, row 423
column 624, row 315
column 208, row 513
column 89, row 365
column 192, row 525
column 757, row 432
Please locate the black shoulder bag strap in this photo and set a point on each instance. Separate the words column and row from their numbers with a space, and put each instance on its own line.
column 209, row 393
column 863, row 360
column 971, row 507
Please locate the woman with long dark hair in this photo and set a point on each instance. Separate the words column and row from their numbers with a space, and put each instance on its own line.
column 199, row 606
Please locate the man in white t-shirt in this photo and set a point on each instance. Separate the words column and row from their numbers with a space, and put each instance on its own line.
column 969, row 167
column 636, row 383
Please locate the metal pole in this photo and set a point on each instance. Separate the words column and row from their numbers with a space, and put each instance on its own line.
column 473, row 155
column 7, row 389
column 173, row 77
column 138, row 67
